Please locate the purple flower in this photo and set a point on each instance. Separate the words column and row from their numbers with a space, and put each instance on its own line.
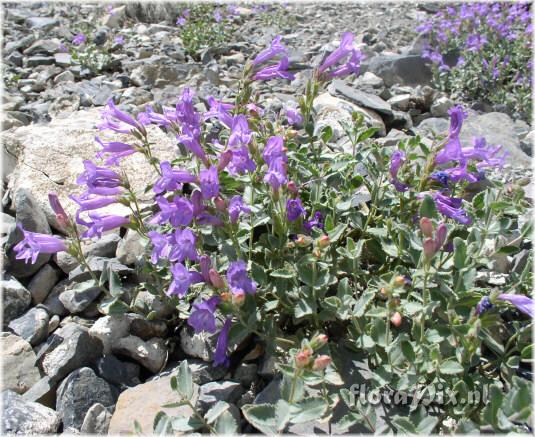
column 79, row 39
column 220, row 356
column 352, row 66
column 293, row 116
column 240, row 133
column 172, row 179
column 100, row 223
column 181, row 21
column 396, row 161
column 100, row 180
column 162, row 245
column 185, row 246
column 273, row 150
column 55, row 204
column 240, row 161
column 345, row 47
column 452, row 150
column 275, row 71
column 179, row 212
column 119, row 40
column 118, row 121
column 314, row 222
column 482, row 152
column 89, row 203
column 441, row 176
column 34, row 243
column 236, row 207
column 483, row 305
column 276, row 174
column 294, row 209
column 239, row 282
column 181, row 280
column 275, row 49
column 150, row 116
column 205, row 264
column 522, row 303
column 220, row 111
column 192, row 144
column 117, row 149
column 217, row 16
column 202, row 317
column 209, row 182
column 451, row 207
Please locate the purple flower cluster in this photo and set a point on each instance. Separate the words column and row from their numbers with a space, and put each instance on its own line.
column 345, row 52
column 275, row 157
column 34, row 243
column 278, row 70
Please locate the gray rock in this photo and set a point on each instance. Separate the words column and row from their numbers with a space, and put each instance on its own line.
column 42, row 23
column 23, row 417
column 130, row 248
column 151, row 354
column 440, row 106
column 77, row 296
column 52, row 303
column 16, row 298
column 201, row 371
column 135, row 96
column 66, row 76
column 15, row 58
column 526, row 143
column 147, row 329
column 43, row 392
column 401, row 69
column 393, row 138
column 116, row 18
column 78, row 393
column 270, row 394
column 20, row 372
column 96, row 421
column 144, row 75
column 520, row 261
column 42, row 283
column 199, row 345
column 53, row 323
column 120, row 373
column 148, row 302
column 97, row 264
column 43, row 46
column 19, row 44
column 34, row 61
column 432, row 127
column 32, row 326
column 400, row 101
column 109, row 330
column 267, row 367
column 211, row 393
column 360, row 98
column 246, row 373
column 69, row 348
column 62, row 59
column 66, row 262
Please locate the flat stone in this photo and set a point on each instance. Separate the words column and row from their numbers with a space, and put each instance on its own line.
column 199, row 345
column 147, row 329
column 400, row 69
column 97, row 420
column 43, row 392
column 440, row 107
column 20, row 372
column 97, row 263
column 16, row 298
column 76, row 297
column 401, row 101
column 32, row 326
column 65, row 76
column 46, row 46
column 360, row 98
column 78, row 392
column 130, row 248
column 62, row 59
column 151, row 354
column 42, row 283
column 122, row 374
column 67, row 263
column 34, row 61
column 42, row 23
column 52, row 303
column 148, row 302
column 23, row 417
column 211, row 393
column 68, row 349
column 110, row 329
column 143, row 402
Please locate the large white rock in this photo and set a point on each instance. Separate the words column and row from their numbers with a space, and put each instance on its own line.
column 20, row 371
column 50, row 157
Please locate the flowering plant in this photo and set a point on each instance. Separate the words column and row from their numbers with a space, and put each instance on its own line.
column 483, row 51
column 319, row 251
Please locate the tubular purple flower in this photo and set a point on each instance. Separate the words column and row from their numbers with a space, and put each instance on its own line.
column 451, row 207
column 150, row 116
column 100, row 180
column 61, row 215
column 79, row 39
column 240, row 133
column 238, row 280
column 273, row 150
column 179, row 212
column 219, row 110
column 209, row 182
column 118, row 121
column 162, row 245
column 352, row 66
column 276, row 174
column 181, row 280
column 441, row 235
column 220, row 356
column 275, row 71
column 172, row 179
column 522, row 303
column 205, row 264
column 117, row 149
column 293, row 116
column 202, row 317
column 452, row 150
column 101, row 223
column 236, row 207
column 89, row 203
column 294, row 209
column 314, row 222
column 241, row 162
column 185, row 246
column 275, row 49
column 34, row 243
column 346, row 44
column 192, row 144
column 196, row 201
column 396, row 161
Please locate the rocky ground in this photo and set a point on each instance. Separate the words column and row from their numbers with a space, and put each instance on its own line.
column 66, row 367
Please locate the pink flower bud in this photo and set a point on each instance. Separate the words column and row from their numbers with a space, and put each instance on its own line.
column 216, row 279
column 321, row 362
column 396, row 319
column 442, row 233
column 324, row 241
column 426, row 226
column 318, row 341
column 292, row 187
column 224, row 160
column 238, row 298
column 302, row 359
column 429, row 248
column 220, row 204
column 61, row 215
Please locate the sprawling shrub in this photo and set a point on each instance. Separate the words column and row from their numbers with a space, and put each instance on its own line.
column 263, row 228
column 483, row 51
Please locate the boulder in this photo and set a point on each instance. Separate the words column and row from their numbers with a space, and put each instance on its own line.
column 122, row 374
column 151, row 354
column 211, row 393
column 109, row 330
column 399, row 69
column 16, row 298
column 32, row 326
column 23, row 417
column 77, row 296
column 50, row 158
column 360, row 98
column 96, row 420
column 43, row 282
column 20, row 372
column 131, row 247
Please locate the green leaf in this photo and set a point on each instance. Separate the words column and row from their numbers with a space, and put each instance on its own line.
column 307, row 410
column 326, row 134
column 459, row 253
column 162, row 424
column 213, row 413
column 263, row 417
column 337, row 232
column 114, row 284
column 427, row 208
column 185, row 380
column 226, row 424
column 113, row 306
column 137, row 427
column 258, row 273
column 427, row 425
column 304, row 307
column 282, row 273
column 404, row 425
column 186, row 424
column 451, row 367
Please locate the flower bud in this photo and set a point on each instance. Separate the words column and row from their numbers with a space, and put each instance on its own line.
column 220, row 204
column 319, row 341
column 291, row 133
column 429, row 248
column 399, row 281
column 396, row 319
column 303, row 240
column 238, row 298
column 442, row 233
column 216, row 279
column 285, row 150
column 316, row 253
column 61, row 215
column 302, row 359
column 224, row 160
column 321, row 362
column 324, row 241
column 426, row 226
column 384, row 293
column 292, row 187
column 225, row 296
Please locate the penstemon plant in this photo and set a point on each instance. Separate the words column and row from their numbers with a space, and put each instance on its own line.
column 261, row 227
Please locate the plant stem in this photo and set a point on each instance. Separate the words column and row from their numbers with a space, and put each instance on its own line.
column 294, row 384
